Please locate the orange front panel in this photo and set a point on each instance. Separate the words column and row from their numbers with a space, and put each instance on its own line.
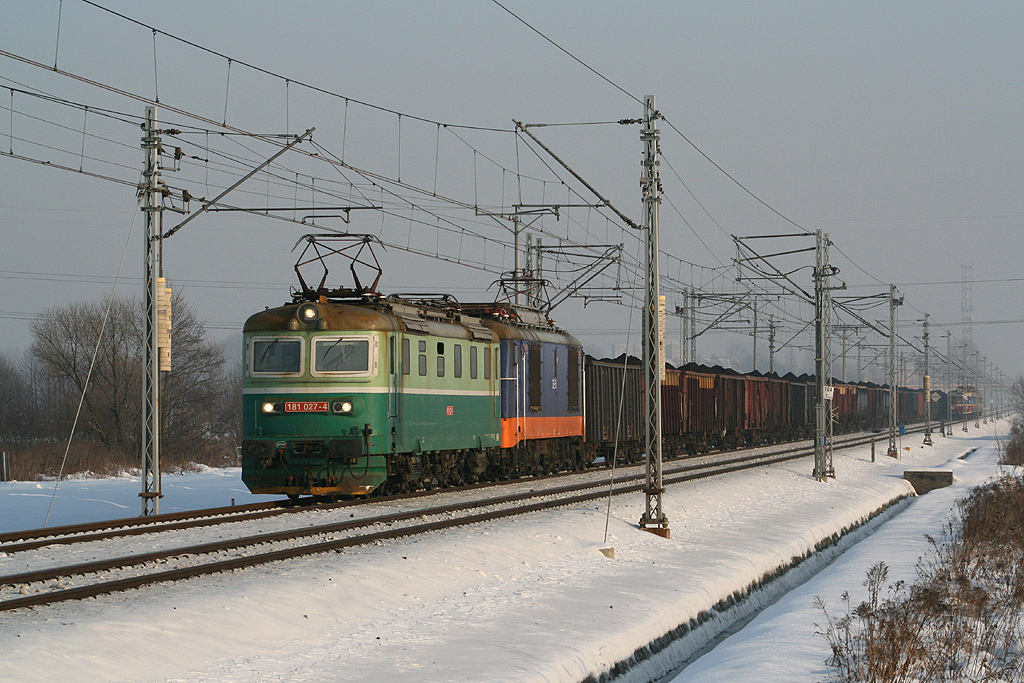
column 513, row 430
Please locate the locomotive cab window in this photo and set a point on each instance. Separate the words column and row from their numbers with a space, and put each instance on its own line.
column 344, row 356
column 275, row 356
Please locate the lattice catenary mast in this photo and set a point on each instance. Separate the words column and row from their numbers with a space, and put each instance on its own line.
column 823, row 273
column 654, row 519
column 157, row 317
column 894, row 302
column 927, row 386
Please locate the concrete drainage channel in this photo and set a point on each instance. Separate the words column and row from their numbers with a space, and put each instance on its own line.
column 671, row 653
column 968, row 454
column 677, row 649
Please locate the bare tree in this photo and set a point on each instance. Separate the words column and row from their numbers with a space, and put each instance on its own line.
column 1013, row 448
column 14, row 397
column 193, row 392
column 229, row 415
column 1017, row 396
column 64, row 340
column 44, row 417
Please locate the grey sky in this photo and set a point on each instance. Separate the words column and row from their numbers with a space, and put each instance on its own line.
column 895, row 127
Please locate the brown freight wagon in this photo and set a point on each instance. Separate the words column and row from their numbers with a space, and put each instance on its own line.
column 801, row 405
column 778, row 415
column 613, row 391
column 911, row 405
column 767, row 408
column 844, row 406
column 878, row 406
column 673, row 430
column 700, row 408
column 731, row 401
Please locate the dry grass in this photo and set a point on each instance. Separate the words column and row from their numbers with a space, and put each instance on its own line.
column 960, row 620
column 1013, row 448
column 42, row 460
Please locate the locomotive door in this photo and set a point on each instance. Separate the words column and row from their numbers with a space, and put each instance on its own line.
column 521, row 386
column 512, row 407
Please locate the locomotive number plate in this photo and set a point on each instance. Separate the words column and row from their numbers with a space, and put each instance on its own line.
column 305, row 406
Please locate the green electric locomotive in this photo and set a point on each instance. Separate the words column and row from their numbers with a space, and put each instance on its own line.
column 347, row 392
column 341, row 396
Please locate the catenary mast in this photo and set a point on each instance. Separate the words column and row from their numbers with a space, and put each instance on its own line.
column 654, row 518
column 152, row 244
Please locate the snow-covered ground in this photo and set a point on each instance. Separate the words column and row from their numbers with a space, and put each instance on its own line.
column 23, row 504
column 526, row 599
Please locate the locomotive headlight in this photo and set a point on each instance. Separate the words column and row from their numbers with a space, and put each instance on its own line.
column 308, row 314
column 271, row 407
column 343, row 407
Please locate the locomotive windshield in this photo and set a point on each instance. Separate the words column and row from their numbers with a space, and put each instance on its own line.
column 276, row 356
column 342, row 356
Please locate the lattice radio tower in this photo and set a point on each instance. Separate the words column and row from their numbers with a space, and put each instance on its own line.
column 967, row 316
column 967, row 305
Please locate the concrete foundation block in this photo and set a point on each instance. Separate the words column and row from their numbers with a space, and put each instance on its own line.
column 924, row 481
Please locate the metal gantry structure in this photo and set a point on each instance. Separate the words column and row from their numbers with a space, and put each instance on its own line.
column 687, row 313
column 654, row 518
column 157, row 297
column 152, row 208
column 692, row 333
column 821, row 299
column 949, row 384
column 894, row 302
column 156, row 327
column 152, row 191
column 926, row 384
column 823, row 422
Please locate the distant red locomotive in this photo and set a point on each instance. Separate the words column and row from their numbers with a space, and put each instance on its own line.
column 966, row 403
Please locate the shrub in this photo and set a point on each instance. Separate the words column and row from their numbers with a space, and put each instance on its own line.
column 960, row 619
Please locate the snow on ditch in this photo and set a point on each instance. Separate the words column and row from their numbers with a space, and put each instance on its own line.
column 526, row 599
column 777, row 645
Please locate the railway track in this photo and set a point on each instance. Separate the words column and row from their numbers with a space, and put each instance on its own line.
column 69, row 582
column 21, row 541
